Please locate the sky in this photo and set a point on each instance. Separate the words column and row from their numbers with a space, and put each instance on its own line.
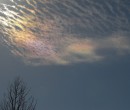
column 75, row 55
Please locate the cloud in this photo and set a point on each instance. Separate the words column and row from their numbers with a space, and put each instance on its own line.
column 46, row 32
column 120, row 45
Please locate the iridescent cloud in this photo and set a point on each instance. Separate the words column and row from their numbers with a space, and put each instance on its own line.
column 40, row 33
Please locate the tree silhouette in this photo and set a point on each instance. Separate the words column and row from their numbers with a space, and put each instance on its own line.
column 17, row 97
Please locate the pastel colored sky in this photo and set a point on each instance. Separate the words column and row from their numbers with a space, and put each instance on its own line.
column 39, row 40
column 73, row 53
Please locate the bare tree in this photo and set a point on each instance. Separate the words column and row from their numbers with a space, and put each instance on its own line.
column 17, row 97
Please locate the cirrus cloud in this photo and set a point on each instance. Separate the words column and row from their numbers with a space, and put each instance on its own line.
column 46, row 32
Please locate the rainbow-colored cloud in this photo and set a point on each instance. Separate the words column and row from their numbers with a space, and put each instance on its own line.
column 40, row 37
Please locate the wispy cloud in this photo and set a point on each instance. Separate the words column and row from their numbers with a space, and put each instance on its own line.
column 46, row 32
